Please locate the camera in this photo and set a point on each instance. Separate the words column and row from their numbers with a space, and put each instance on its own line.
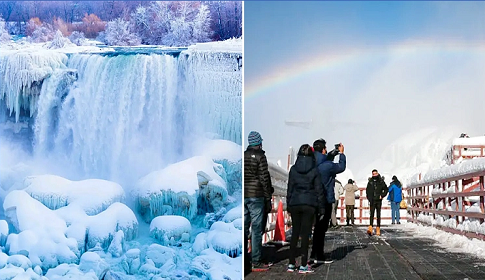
column 337, row 146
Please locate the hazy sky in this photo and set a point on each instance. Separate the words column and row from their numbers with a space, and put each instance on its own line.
column 365, row 73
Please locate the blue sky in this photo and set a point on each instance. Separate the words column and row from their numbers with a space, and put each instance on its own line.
column 391, row 87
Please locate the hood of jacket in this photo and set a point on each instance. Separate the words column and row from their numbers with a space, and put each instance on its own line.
column 304, row 164
column 397, row 183
column 379, row 178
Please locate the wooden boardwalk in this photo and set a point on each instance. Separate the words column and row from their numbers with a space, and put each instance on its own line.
column 394, row 256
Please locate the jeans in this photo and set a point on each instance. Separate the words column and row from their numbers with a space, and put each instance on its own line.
column 395, row 211
column 253, row 217
column 375, row 206
column 302, row 221
column 321, row 227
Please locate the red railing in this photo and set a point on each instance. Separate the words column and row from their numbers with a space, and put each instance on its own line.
column 362, row 200
column 454, row 190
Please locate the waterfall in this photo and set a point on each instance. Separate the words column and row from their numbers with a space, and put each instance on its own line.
column 118, row 117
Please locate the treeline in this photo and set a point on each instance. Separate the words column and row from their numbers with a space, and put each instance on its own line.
column 160, row 22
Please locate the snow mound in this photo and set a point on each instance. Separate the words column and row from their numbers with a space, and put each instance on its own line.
column 225, row 239
column 160, row 255
column 168, row 229
column 93, row 195
column 91, row 261
column 172, row 190
column 229, row 155
column 131, row 261
column 216, row 266
column 70, row 272
column 233, row 214
column 11, row 272
column 44, row 235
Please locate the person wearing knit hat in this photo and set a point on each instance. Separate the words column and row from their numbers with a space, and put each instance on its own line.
column 257, row 199
column 254, row 138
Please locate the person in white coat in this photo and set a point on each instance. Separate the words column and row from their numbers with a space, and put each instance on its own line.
column 350, row 190
column 339, row 190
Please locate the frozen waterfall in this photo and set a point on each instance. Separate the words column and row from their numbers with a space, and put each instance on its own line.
column 119, row 116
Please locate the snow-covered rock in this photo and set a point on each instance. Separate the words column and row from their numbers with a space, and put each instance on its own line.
column 225, row 238
column 233, row 214
column 93, row 195
column 116, row 246
column 166, row 228
column 160, row 255
column 91, row 261
column 229, row 155
column 45, row 238
column 176, row 186
column 70, row 272
column 216, row 266
column 131, row 261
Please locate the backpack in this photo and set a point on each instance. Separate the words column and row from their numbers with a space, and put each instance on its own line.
column 403, row 204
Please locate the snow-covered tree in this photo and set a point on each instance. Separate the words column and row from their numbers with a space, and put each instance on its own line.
column 59, row 41
column 118, row 32
column 160, row 19
column 201, row 25
column 78, row 38
column 4, row 36
column 141, row 23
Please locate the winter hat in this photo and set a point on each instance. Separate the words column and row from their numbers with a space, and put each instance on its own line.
column 394, row 178
column 254, row 138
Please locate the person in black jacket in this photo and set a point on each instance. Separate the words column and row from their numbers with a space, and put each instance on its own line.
column 376, row 191
column 304, row 198
column 257, row 197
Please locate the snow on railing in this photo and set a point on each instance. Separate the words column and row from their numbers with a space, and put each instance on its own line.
column 451, row 198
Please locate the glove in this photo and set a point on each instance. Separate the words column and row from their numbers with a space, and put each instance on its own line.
column 267, row 205
column 321, row 213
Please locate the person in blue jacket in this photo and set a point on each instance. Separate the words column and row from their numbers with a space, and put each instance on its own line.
column 395, row 197
column 328, row 171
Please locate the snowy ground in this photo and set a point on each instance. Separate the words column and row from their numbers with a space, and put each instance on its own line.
column 453, row 243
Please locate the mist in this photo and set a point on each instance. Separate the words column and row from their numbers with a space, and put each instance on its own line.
column 373, row 100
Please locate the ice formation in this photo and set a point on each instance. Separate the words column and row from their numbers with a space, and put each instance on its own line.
column 176, row 186
column 229, row 155
column 93, row 195
column 166, row 228
column 21, row 76
column 90, row 118
column 216, row 266
column 48, row 239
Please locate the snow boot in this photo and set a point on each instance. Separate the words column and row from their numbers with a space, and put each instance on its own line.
column 378, row 231
column 369, row 230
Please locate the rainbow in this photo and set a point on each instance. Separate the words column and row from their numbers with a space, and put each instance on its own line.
column 326, row 61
